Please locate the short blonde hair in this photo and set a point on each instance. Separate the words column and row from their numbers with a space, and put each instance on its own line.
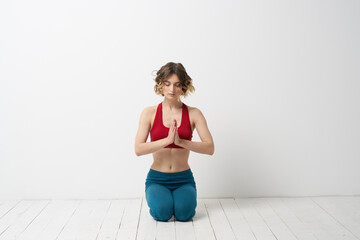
column 173, row 68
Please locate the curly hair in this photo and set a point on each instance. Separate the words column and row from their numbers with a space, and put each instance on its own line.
column 173, row 68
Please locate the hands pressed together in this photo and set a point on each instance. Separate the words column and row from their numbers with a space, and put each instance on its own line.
column 173, row 136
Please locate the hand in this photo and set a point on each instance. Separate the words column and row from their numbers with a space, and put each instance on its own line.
column 171, row 134
column 177, row 139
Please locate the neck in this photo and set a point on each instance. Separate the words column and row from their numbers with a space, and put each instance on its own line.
column 172, row 103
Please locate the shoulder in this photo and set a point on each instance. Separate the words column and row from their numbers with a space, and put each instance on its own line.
column 195, row 113
column 149, row 110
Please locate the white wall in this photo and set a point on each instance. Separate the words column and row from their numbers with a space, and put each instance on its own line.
column 278, row 82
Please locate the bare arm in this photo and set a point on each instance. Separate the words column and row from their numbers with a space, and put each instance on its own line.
column 141, row 146
column 206, row 146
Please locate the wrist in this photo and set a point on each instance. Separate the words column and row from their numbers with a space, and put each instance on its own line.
column 181, row 142
column 166, row 141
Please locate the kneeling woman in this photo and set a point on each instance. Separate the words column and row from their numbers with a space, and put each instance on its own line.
column 170, row 187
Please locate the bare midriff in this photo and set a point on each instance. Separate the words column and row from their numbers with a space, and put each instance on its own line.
column 171, row 160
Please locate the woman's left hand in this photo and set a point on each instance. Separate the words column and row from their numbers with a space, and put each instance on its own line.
column 177, row 140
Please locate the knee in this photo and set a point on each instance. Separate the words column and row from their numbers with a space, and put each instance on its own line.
column 162, row 212
column 185, row 212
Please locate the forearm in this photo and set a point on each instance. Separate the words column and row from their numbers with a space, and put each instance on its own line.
column 199, row 147
column 150, row 147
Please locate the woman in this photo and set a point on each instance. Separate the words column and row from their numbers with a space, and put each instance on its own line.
column 170, row 188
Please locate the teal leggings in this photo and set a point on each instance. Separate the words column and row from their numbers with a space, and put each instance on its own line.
column 169, row 194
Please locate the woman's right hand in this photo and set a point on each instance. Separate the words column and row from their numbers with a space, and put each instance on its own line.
column 171, row 135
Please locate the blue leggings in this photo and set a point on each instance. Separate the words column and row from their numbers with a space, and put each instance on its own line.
column 169, row 194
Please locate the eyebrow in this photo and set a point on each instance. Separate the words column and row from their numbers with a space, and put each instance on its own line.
column 168, row 81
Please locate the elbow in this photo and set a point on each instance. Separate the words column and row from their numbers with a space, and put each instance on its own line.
column 137, row 153
column 212, row 150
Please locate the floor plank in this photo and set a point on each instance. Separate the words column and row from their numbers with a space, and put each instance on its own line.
column 6, row 206
column 300, row 218
column 113, row 219
column 25, row 219
column 218, row 220
column 346, row 210
column 185, row 230
column 201, row 221
column 165, row 230
column 51, row 220
column 12, row 216
column 129, row 222
column 257, row 224
column 147, row 225
column 86, row 220
column 237, row 221
column 297, row 227
column 322, row 224
column 272, row 220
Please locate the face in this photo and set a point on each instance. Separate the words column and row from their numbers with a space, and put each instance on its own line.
column 172, row 87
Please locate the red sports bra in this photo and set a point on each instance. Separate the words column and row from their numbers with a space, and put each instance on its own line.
column 159, row 131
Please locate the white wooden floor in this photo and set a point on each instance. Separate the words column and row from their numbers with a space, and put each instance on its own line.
column 310, row 218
